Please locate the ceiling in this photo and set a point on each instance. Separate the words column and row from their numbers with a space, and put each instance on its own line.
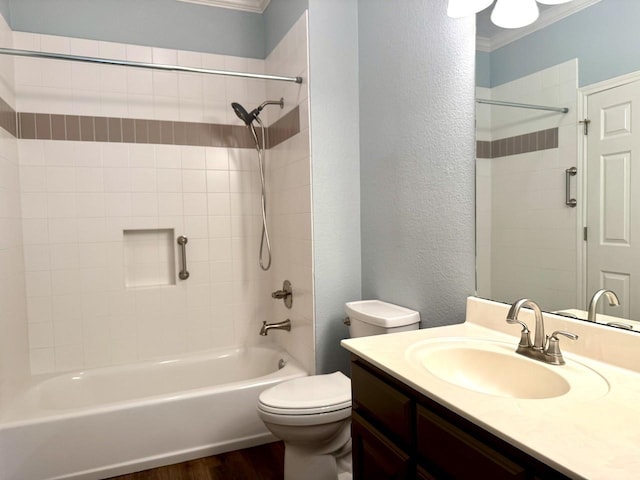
column 257, row 6
column 490, row 37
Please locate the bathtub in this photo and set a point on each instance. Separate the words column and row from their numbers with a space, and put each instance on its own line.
column 109, row 421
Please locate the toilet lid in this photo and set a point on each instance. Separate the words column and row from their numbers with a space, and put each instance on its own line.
column 308, row 395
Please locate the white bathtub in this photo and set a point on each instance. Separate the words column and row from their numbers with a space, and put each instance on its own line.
column 110, row 421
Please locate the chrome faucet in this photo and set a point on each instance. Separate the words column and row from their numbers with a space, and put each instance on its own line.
column 286, row 294
column 593, row 304
column 543, row 348
column 286, row 325
column 512, row 317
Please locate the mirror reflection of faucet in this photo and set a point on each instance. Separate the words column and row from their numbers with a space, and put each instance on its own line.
column 592, row 315
column 612, row 298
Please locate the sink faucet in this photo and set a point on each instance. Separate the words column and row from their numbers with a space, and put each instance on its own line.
column 593, row 304
column 543, row 348
column 286, row 325
column 512, row 317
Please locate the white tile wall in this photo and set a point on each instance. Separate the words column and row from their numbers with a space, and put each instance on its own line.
column 79, row 198
column 289, row 186
column 483, row 199
column 87, row 89
column 532, row 233
column 14, row 359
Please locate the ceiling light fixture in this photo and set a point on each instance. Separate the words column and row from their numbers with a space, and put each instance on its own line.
column 553, row 2
column 514, row 13
column 505, row 14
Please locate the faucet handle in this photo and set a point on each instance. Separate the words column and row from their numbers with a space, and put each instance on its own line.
column 285, row 294
column 553, row 347
column 570, row 335
column 525, row 338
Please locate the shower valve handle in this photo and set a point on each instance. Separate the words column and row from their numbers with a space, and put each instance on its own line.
column 285, row 294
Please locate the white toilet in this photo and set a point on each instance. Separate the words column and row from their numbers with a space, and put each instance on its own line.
column 312, row 415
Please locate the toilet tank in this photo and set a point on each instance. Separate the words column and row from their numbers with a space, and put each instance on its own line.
column 374, row 317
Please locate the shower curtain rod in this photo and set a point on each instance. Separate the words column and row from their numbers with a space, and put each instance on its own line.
column 154, row 66
column 522, row 105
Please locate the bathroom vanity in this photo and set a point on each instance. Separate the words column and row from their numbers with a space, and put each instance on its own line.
column 458, row 402
column 399, row 433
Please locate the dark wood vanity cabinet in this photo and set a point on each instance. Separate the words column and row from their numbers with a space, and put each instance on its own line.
column 375, row 455
column 398, row 433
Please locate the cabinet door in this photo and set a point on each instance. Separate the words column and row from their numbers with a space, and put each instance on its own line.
column 422, row 474
column 457, row 454
column 382, row 404
column 374, row 456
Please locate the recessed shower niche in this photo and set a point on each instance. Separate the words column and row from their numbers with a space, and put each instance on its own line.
column 149, row 258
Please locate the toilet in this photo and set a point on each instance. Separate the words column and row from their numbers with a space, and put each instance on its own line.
column 312, row 415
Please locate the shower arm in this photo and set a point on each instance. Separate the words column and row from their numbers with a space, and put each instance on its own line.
column 271, row 102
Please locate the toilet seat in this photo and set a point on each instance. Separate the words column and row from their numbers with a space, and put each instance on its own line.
column 314, row 395
column 304, row 420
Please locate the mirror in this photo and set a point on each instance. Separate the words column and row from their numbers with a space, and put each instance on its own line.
column 529, row 237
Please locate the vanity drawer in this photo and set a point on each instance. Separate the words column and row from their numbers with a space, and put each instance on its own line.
column 381, row 404
column 446, row 448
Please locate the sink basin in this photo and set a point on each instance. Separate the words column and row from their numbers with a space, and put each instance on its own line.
column 493, row 368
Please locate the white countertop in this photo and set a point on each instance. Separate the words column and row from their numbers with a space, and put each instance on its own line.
column 594, row 436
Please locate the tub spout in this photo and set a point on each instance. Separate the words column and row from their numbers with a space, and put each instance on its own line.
column 286, row 325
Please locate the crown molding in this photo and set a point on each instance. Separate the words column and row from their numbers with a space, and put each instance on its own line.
column 546, row 18
column 255, row 6
column 483, row 44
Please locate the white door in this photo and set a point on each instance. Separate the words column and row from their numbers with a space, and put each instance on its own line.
column 613, row 202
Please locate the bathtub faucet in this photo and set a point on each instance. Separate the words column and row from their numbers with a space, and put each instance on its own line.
column 286, row 325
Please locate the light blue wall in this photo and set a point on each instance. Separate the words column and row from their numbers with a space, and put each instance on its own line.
column 279, row 17
column 408, row 113
column 5, row 11
column 158, row 23
column 333, row 45
column 417, row 157
column 483, row 69
column 604, row 38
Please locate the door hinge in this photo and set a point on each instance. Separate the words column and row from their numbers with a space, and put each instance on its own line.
column 585, row 123
column 584, row 233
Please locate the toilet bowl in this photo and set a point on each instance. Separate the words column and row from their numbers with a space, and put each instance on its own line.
column 312, row 415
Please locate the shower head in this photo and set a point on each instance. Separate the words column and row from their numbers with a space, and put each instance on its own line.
column 243, row 115
column 249, row 117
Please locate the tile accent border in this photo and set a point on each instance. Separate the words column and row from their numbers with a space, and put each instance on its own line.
column 529, row 142
column 45, row 126
column 285, row 128
column 8, row 119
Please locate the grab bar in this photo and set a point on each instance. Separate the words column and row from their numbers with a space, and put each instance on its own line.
column 182, row 241
column 569, row 172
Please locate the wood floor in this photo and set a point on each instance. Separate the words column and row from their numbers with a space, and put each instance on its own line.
column 264, row 462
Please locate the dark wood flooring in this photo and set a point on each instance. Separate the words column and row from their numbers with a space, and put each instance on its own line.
column 264, row 462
